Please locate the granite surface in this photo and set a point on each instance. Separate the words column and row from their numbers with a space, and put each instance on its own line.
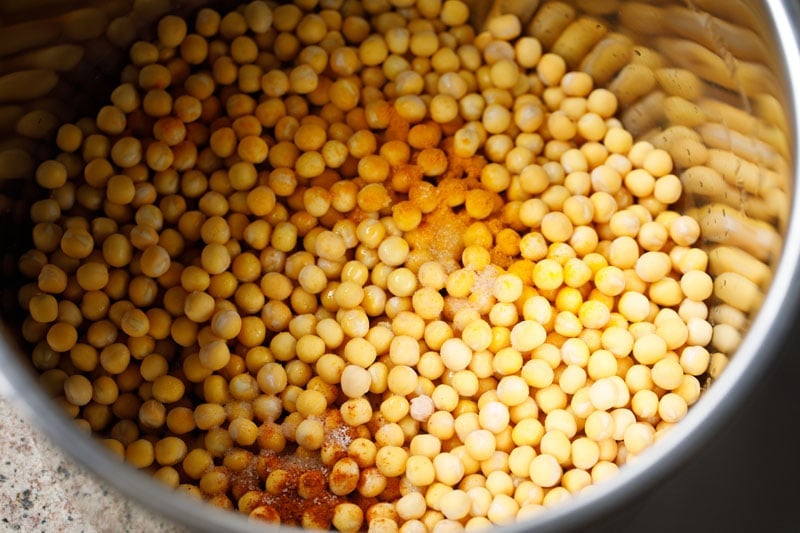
column 43, row 491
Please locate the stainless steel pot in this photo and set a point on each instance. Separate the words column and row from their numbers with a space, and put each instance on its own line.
column 746, row 51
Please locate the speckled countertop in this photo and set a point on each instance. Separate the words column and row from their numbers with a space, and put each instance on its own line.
column 42, row 490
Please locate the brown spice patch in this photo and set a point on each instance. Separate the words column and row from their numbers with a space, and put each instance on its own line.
column 306, row 476
column 311, row 484
column 424, row 196
column 392, row 491
column 452, row 191
column 404, row 177
column 433, row 161
column 245, row 480
column 363, row 502
column 500, row 259
column 397, row 129
column 441, row 235
column 465, row 168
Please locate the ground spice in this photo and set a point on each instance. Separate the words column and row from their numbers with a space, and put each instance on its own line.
column 392, row 491
column 246, row 480
column 398, row 127
column 464, row 168
column 405, row 176
column 363, row 502
column 302, row 497
column 440, row 234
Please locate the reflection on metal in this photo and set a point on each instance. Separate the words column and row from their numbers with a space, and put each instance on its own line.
column 706, row 80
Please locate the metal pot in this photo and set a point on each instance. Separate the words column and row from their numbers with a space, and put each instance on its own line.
column 746, row 51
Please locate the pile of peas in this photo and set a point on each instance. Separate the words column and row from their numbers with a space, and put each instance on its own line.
column 424, row 262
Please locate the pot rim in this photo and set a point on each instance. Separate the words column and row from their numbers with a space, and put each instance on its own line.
column 769, row 329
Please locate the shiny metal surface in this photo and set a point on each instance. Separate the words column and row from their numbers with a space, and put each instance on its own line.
column 771, row 326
